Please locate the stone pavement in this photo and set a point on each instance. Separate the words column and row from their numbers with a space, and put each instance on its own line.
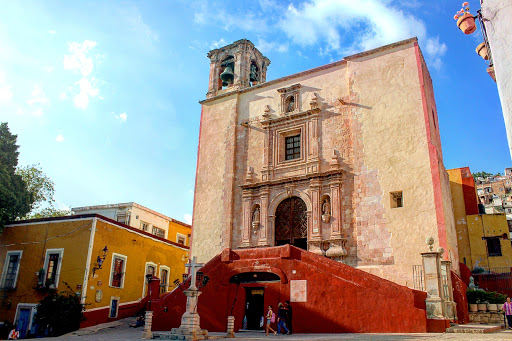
column 120, row 331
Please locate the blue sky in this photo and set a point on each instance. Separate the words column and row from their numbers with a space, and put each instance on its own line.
column 104, row 94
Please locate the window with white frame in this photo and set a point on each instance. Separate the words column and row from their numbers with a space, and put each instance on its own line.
column 52, row 266
column 150, row 269
column 144, row 226
column 117, row 270
column 158, row 232
column 181, row 238
column 164, row 278
column 114, row 307
column 11, row 269
column 123, row 217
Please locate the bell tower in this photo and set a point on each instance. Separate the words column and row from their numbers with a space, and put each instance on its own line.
column 236, row 66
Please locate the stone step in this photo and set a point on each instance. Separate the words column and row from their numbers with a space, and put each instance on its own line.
column 475, row 328
column 250, row 331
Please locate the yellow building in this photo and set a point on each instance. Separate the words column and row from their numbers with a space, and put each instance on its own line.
column 103, row 260
column 142, row 218
column 483, row 239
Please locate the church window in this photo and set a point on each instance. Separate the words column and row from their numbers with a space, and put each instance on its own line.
column 397, row 199
column 292, row 147
column 494, row 247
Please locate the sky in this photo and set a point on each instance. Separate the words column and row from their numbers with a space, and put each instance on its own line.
column 103, row 95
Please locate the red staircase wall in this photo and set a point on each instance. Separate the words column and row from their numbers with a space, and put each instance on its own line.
column 340, row 298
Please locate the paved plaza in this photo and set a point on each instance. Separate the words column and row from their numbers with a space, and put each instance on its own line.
column 119, row 330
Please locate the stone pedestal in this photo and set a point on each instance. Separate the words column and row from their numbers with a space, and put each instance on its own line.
column 450, row 307
column 336, row 249
column 231, row 327
column 189, row 329
column 148, row 322
column 433, row 285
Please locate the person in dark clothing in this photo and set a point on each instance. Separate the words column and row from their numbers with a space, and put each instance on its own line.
column 281, row 319
column 288, row 308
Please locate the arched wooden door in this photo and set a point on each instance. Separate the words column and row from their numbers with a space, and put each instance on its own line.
column 292, row 223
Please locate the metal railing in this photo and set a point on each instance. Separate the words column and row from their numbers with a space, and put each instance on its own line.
column 417, row 276
column 495, row 279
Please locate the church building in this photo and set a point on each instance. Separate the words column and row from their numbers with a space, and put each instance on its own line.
column 321, row 188
column 343, row 160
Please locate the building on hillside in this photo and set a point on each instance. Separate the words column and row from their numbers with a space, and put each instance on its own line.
column 103, row 260
column 142, row 218
column 483, row 239
column 344, row 161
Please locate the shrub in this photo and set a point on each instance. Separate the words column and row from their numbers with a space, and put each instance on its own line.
column 60, row 312
column 495, row 297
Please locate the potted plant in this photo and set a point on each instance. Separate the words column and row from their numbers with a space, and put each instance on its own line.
column 496, row 300
column 473, row 296
column 465, row 20
column 481, row 49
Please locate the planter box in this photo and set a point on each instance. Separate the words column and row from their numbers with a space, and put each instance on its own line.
column 482, row 306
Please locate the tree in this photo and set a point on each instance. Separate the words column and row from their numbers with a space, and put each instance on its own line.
column 42, row 189
column 482, row 174
column 15, row 198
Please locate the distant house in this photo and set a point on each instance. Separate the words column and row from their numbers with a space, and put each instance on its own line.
column 104, row 261
column 142, row 218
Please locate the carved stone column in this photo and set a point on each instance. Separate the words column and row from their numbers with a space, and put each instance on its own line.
column 450, row 307
column 213, row 82
column 265, row 227
column 433, row 284
column 314, row 186
column 336, row 212
column 247, row 214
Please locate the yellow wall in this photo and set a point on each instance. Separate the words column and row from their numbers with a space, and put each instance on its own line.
column 459, row 212
column 175, row 228
column 488, row 225
column 63, row 234
column 138, row 249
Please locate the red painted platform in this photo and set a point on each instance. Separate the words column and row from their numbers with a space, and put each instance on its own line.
column 340, row 298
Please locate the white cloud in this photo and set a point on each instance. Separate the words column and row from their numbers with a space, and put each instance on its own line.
column 188, row 218
column 230, row 19
column 123, row 116
column 79, row 60
column 86, row 92
column 266, row 46
column 63, row 95
column 216, row 44
column 38, row 112
column 48, row 68
column 435, row 50
column 5, row 93
column 38, row 100
column 52, row 32
column 373, row 22
column 59, row 138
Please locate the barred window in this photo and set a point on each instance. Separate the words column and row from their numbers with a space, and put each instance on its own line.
column 292, row 147
column 158, row 232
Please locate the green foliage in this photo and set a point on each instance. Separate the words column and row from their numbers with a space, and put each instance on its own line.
column 481, row 296
column 39, row 185
column 49, row 212
column 60, row 312
column 484, row 174
column 478, row 270
column 15, row 198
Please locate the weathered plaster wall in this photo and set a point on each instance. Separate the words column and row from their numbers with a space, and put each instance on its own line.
column 214, row 179
column 497, row 14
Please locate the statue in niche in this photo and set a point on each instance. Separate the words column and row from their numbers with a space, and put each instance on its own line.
column 326, row 211
column 256, row 219
column 291, row 104
column 254, row 73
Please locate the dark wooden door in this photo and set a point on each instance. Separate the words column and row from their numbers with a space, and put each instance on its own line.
column 291, row 223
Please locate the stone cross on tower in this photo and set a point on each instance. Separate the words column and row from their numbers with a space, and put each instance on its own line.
column 194, row 267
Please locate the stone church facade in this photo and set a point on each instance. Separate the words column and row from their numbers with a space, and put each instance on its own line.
column 343, row 160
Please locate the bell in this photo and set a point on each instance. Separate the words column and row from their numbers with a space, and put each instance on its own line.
column 227, row 76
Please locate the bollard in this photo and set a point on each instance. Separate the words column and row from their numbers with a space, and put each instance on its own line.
column 231, row 327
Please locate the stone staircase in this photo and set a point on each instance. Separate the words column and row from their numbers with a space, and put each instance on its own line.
column 474, row 328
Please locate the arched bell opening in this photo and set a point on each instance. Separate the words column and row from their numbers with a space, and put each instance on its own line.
column 291, row 223
column 254, row 75
column 227, row 73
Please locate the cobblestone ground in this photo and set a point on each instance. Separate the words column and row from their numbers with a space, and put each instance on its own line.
column 120, row 331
